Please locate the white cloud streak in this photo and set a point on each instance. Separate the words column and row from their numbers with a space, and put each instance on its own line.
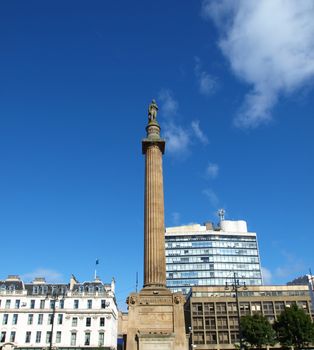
column 169, row 106
column 212, row 197
column 198, row 132
column 267, row 275
column 212, row 170
column 50, row 275
column 206, row 82
column 179, row 138
column 269, row 45
column 176, row 218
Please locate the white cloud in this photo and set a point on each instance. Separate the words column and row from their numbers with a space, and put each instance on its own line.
column 198, row 132
column 270, row 46
column 207, row 83
column 212, row 170
column 169, row 106
column 176, row 218
column 178, row 139
column 50, row 275
column 267, row 275
column 212, row 196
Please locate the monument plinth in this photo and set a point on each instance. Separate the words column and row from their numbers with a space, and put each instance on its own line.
column 156, row 318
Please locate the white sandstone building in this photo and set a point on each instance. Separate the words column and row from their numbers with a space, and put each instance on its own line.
column 39, row 315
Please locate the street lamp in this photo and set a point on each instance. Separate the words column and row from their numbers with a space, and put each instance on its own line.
column 56, row 293
column 235, row 287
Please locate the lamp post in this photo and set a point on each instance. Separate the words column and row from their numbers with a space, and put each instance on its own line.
column 56, row 293
column 235, row 287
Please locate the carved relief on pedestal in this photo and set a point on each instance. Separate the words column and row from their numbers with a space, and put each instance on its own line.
column 131, row 300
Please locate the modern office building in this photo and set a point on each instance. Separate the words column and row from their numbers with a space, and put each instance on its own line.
column 211, row 312
column 40, row 315
column 205, row 255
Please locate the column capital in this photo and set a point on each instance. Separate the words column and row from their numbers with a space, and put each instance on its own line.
column 146, row 143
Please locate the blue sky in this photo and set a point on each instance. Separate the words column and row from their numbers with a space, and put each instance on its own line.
column 234, row 85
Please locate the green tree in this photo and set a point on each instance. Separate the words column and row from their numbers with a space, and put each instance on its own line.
column 257, row 331
column 294, row 328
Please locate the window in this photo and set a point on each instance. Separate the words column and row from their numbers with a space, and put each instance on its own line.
column 42, row 304
column 32, row 306
column 14, row 318
column 303, row 305
column 101, row 338
column 40, row 318
column 223, row 337
column 73, row 339
column 103, row 304
column 279, row 307
column 2, row 337
column 209, row 308
column 102, row 322
column 12, row 336
column 233, row 323
column 234, row 337
column 61, row 304
column 58, row 337
column 210, row 323
column 198, row 323
column 211, row 338
column 198, row 338
column 222, row 322
column 74, row 322
column 232, row 308
column 245, row 308
column 256, row 308
column 221, row 308
column 17, row 303
column 52, row 304
column 50, row 318
column 268, row 307
column 88, row 321
column 60, row 318
column 48, row 337
column 5, row 318
column 30, row 319
column 89, row 303
column 75, row 304
column 28, row 337
column 7, row 304
column 38, row 337
column 197, row 309
column 87, row 339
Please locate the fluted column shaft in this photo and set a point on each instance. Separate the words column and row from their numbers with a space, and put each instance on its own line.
column 154, row 239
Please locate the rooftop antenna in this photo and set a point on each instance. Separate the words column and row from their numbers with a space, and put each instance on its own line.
column 221, row 214
column 311, row 278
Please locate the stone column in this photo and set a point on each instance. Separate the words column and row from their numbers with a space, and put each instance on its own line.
column 154, row 227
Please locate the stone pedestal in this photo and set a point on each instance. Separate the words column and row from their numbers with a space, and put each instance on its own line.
column 156, row 320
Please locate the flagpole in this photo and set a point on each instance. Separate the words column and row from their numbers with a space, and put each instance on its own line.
column 97, row 262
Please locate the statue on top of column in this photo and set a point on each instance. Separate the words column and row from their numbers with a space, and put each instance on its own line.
column 152, row 111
